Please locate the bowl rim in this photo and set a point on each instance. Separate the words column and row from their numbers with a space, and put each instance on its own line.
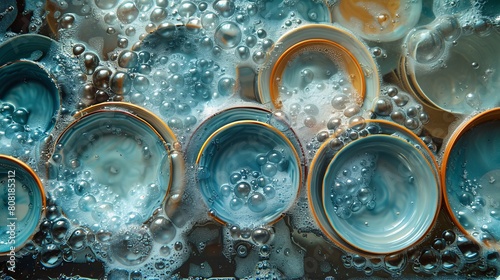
column 331, row 28
column 41, row 189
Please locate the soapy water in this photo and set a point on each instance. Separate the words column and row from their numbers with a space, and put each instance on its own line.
column 188, row 75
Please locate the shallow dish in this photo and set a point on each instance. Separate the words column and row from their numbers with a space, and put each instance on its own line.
column 22, row 203
column 470, row 174
column 178, row 169
column 109, row 158
column 248, row 173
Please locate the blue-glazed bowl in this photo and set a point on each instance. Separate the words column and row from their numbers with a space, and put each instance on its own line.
column 380, row 194
column 325, row 165
column 22, row 203
column 248, row 173
column 178, row 169
column 470, row 173
column 27, row 86
column 32, row 47
column 110, row 158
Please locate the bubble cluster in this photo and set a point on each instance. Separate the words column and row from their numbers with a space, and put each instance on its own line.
column 399, row 107
column 352, row 191
column 18, row 136
column 253, row 189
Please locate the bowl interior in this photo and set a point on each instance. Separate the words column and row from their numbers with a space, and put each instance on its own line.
column 116, row 158
column 380, row 194
column 24, row 214
column 248, row 173
column 27, row 86
column 472, row 178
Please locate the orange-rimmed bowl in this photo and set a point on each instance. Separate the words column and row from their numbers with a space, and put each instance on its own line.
column 470, row 174
column 342, row 229
column 22, row 203
column 315, row 56
column 110, row 156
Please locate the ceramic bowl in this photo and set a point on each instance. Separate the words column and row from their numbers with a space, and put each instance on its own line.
column 470, row 174
column 380, row 194
column 396, row 156
column 22, row 203
column 381, row 21
column 453, row 75
column 32, row 47
column 28, row 87
column 178, row 178
column 110, row 158
column 249, row 173
column 309, row 61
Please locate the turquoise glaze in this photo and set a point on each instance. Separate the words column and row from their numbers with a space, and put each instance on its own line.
column 248, row 173
column 26, row 85
column 28, row 46
column 473, row 180
column 24, row 218
column 394, row 192
column 119, row 160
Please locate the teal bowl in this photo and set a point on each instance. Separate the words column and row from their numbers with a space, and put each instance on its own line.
column 471, row 175
column 22, row 203
column 388, row 184
column 249, row 173
column 380, row 194
column 109, row 158
column 31, row 93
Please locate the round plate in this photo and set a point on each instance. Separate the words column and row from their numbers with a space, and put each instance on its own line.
column 108, row 158
column 22, row 202
column 380, row 194
column 471, row 176
column 249, row 173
